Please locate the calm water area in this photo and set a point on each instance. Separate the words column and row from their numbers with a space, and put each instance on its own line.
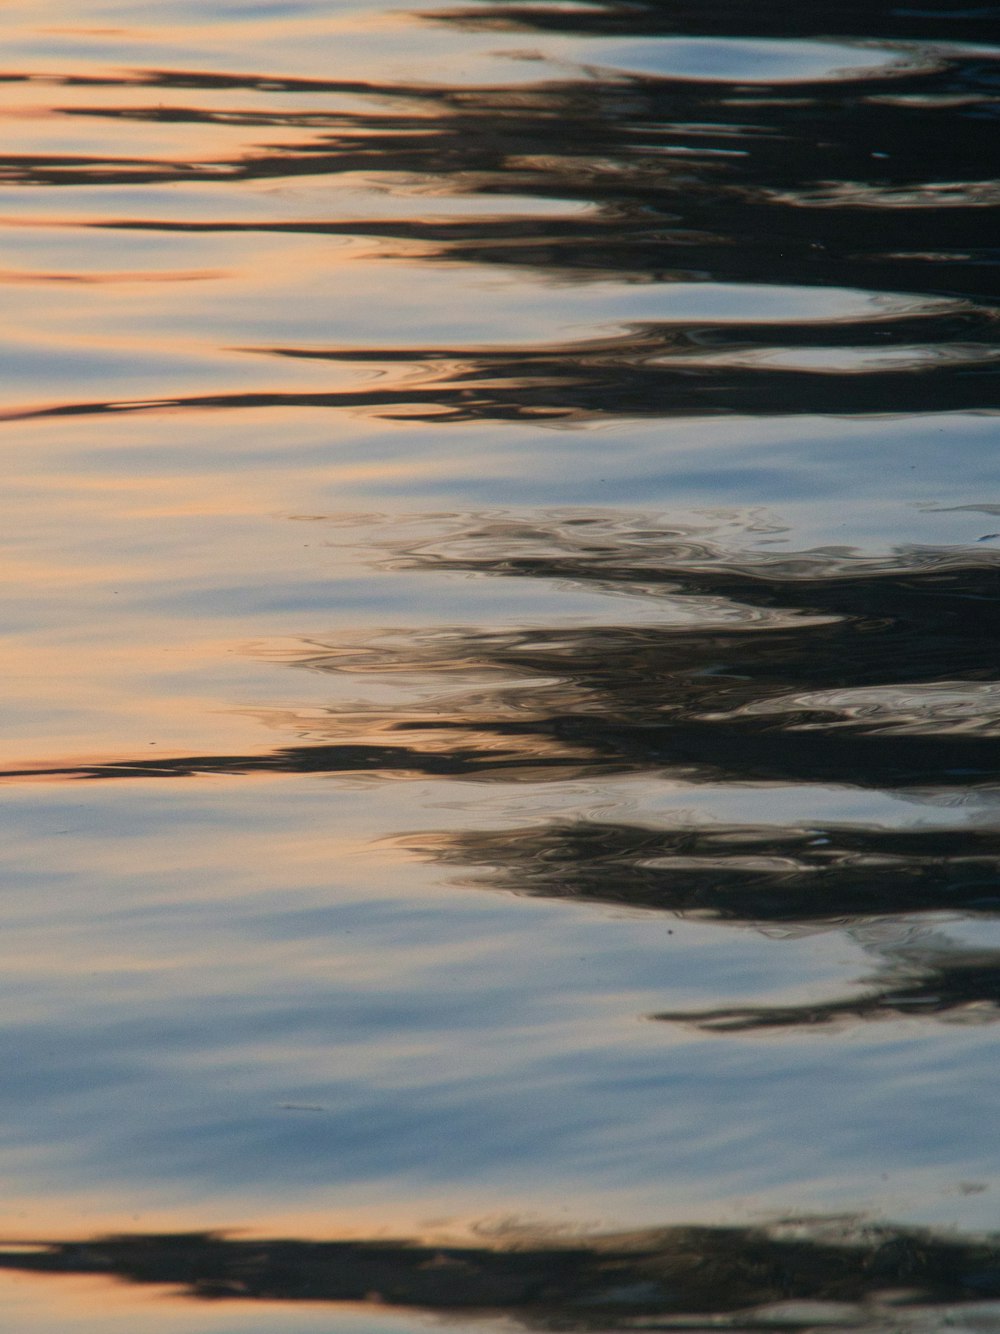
column 500, row 750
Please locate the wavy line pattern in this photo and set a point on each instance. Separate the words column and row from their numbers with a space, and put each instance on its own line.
column 529, row 469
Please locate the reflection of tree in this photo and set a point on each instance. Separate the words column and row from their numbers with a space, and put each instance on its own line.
column 965, row 987
column 556, row 1283
column 565, row 746
column 774, row 183
column 828, row 669
column 654, row 371
column 868, row 880
column 792, row 668
column 748, row 625
column 795, row 669
column 775, row 667
column 930, row 976
column 883, row 182
column 484, row 757
column 756, row 874
column 864, row 19
column 798, row 668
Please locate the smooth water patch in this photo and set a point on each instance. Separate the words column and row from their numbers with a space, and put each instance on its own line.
column 743, row 60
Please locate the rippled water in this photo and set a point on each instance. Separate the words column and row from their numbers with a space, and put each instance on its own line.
column 501, row 756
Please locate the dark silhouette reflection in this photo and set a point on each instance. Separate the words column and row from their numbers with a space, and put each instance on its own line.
column 640, row 374
column 796, row 669
column 873, row 882
column 884, row 181
column 521, row 761
column 566, row 746
column 555, row 1283
column 800, row 668
column 884, row 178
column 944, row 22
column 760, row 875
column 939, row 981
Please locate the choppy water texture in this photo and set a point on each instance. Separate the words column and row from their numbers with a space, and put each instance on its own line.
column 501, row 749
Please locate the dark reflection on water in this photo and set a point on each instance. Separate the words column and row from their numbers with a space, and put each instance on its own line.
column 455, row 762
column 763, row 875
column 815, row 667
column 558, row 1283
column 805, row 667
column 800, row 669
column 962, row 985
column 725, row 18
column 883, row 675
column 882, row 180
column 886, row 183
column 523, row 751
column 873, row 882
column 650, row 372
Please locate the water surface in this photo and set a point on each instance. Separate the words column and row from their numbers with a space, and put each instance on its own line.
column 500, row 762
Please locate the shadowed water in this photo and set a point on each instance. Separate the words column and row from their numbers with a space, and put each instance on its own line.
column 512, row 488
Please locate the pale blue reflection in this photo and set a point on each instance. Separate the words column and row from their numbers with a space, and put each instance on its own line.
column 437, row 1039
